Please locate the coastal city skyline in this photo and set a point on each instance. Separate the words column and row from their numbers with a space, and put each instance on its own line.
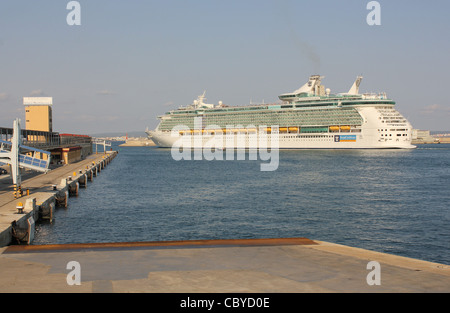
column 129, row 62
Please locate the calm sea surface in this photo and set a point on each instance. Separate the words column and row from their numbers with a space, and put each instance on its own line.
column 393, row 201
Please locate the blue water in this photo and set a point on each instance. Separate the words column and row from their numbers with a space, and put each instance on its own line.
column 393, row 201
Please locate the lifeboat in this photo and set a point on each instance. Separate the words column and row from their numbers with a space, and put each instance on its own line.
column 334, row 128
column 345, row 128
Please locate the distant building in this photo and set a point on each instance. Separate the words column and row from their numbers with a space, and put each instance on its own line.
column 38, row 113
column 422, row 136
column 67, row 148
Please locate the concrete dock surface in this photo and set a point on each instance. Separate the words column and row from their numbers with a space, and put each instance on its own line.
column 289, row 265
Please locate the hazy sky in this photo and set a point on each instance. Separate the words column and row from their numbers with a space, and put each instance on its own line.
column 130, row 61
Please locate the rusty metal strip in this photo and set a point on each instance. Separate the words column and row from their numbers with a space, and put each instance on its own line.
column 162, row 244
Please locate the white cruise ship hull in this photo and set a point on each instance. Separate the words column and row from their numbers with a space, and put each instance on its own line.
column 285, row 141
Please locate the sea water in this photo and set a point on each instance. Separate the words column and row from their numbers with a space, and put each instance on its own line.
column 392, row 201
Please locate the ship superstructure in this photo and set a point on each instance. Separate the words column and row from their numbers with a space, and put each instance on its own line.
column 310, row 117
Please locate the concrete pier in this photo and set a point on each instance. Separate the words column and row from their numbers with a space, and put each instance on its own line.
column 46, row 192
column 285, row 265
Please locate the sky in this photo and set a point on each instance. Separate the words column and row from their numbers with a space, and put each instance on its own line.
column 130, row 61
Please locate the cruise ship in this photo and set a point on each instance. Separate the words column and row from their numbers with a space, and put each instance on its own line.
column 308, row 118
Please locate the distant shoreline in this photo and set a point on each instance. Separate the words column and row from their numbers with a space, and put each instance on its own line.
column 137, row 143
column 434, row 141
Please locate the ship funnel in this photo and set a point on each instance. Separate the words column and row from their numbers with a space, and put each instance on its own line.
column 313, row 86
column 355, row 88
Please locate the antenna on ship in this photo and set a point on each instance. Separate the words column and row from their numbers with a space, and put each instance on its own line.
column 200, row 99
column 203, row 95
